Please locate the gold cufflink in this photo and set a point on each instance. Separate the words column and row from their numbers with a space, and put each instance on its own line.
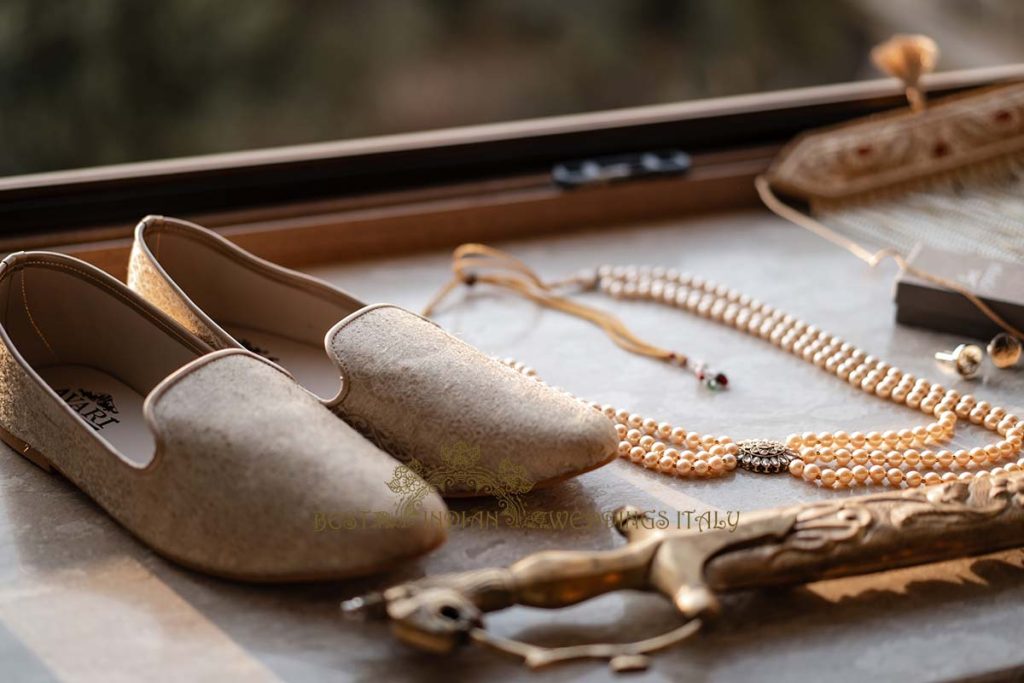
column 965, row 359
column 1004, row 350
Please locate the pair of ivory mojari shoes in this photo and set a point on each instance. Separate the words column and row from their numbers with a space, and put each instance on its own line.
column 146, row 398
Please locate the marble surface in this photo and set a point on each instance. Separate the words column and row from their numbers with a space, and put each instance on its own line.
column 81, row 600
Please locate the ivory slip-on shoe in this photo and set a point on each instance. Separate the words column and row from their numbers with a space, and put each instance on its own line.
column 412, row 388
column 217, row 460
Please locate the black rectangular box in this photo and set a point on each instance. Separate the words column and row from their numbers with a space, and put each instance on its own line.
column 1000, row 284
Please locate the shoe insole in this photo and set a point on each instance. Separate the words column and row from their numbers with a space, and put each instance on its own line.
column 110, row 408
column 308, row 363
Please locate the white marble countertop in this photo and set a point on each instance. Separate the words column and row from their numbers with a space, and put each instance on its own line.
column 81, row 600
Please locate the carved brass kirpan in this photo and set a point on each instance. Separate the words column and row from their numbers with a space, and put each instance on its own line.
column 776, row 547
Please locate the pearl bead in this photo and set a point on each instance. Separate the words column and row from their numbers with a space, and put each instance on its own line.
column 1004, row 425
column 828, row 477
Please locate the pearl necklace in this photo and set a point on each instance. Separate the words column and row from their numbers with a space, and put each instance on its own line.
column 831, row 459
column 836, row 460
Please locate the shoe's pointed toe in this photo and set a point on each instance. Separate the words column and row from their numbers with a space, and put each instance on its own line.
column 422, row 394
column 260, row 482
column 576, row 439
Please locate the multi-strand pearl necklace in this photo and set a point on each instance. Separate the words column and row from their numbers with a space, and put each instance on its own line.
column 835, row 459
column 907, row 457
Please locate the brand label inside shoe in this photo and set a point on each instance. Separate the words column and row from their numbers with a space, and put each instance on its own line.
column 98, row 410
column 258, row 350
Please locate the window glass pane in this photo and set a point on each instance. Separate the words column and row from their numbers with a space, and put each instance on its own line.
column 94, row 82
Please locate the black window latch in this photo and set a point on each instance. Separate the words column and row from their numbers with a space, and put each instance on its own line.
column 619, row 167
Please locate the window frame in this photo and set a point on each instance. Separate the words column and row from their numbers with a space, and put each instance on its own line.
column 77, row 206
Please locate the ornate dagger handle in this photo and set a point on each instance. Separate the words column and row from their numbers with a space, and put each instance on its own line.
column 550, row 579
column 792, row 545
column 437, row 613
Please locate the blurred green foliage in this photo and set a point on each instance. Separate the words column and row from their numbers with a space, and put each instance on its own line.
column 88, row 82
